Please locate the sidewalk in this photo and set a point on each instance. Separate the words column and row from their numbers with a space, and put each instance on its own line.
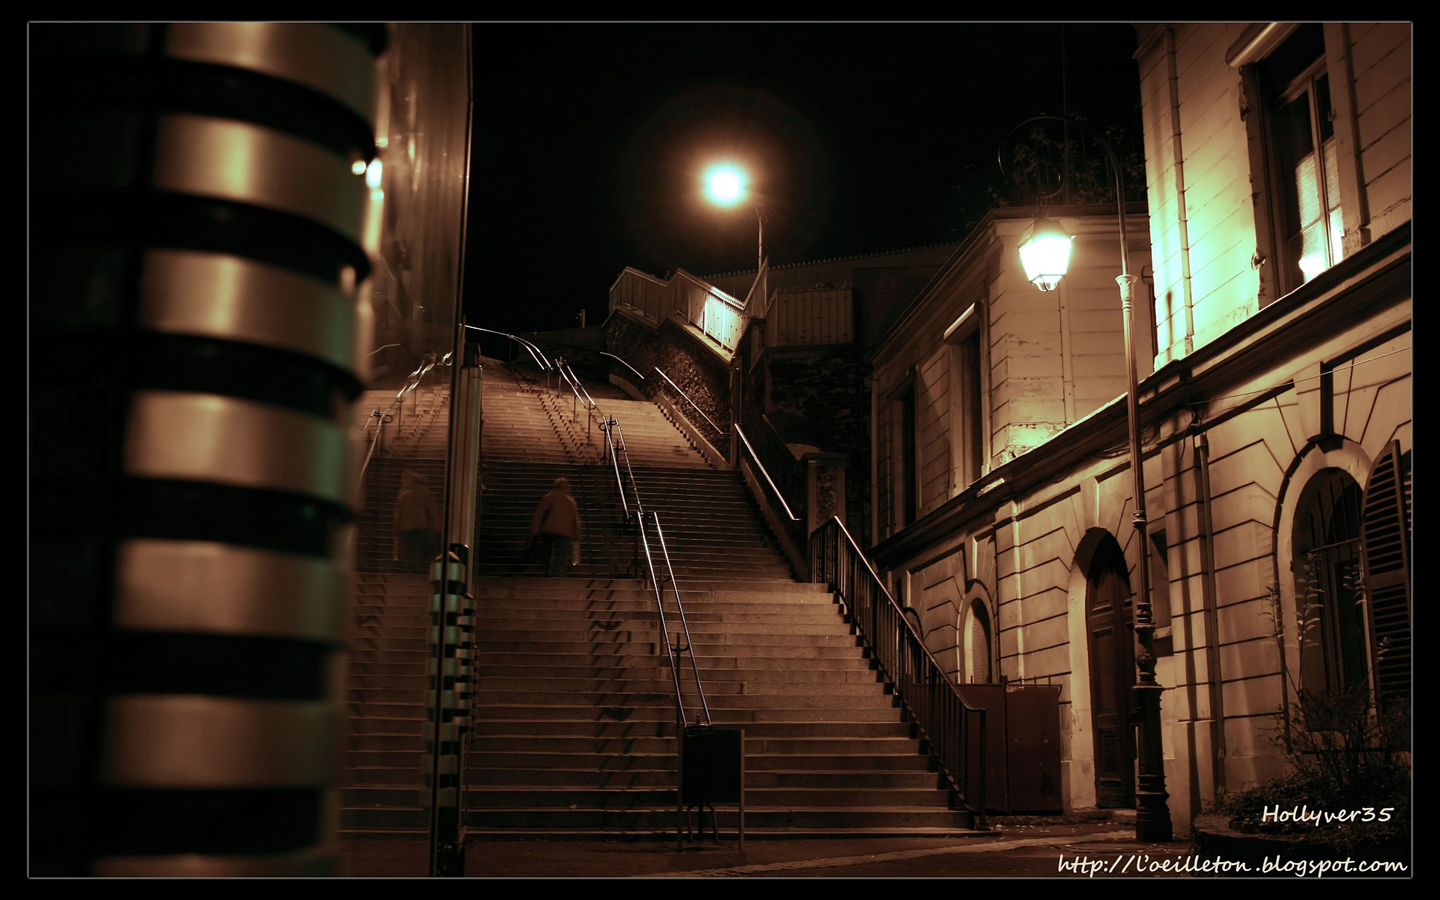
column 1025, row 847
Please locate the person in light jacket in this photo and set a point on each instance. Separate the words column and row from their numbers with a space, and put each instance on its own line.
column 556, row 525
column 417, row 524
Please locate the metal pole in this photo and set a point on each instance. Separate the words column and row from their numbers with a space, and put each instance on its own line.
column 1152, row 812
column 447, row 851
column 1152, row 815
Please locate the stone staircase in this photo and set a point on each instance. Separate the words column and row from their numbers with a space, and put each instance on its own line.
column 388, row 652
column 574, row 705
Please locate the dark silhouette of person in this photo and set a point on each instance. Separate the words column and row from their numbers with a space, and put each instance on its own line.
column 556, row 525
column 417, row 524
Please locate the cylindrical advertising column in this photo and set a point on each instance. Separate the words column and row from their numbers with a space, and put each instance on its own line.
column 198, row 333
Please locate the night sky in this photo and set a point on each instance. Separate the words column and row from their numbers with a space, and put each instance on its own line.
column 590, row 139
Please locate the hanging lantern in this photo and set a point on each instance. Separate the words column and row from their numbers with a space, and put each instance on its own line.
column 1045, row 253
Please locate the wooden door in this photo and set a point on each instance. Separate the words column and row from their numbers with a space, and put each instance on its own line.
column 1112, row 676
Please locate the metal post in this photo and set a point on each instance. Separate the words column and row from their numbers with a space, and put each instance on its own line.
column 681, row 826
column 1152, row 816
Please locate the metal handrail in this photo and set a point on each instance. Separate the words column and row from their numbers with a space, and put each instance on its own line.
column 655, row 579
column 412, row 382
column 541, row 360
column 591, row 407
column 675, row 586
column 664, row 628
column 639, row 507
column 932, row 700
column 606, row 425
column 768, row 480
column 623, row 363
column 575, row 380
column 691, row 402
column 381, row 418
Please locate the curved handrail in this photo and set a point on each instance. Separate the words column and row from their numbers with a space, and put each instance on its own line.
column 623, row 363
column 768, row 480
column 691, row 402
column 412, row 382
column 542, row 360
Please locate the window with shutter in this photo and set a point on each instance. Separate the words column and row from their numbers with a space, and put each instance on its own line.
column 1385, row 539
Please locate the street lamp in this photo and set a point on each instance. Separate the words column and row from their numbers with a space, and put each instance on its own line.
column 725, row 186
column 1045, row 255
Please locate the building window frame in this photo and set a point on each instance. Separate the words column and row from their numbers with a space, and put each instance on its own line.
column 969, row 417
column 903, row 456
column 1289, row 99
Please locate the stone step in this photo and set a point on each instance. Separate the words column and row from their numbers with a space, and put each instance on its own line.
column 608, row 692
column 855, row 713
column 595, row 729
column 629, row 588
column 551, row 663
column 483, row 798
column 831, row 749
column 807, row 821
column 839, row 698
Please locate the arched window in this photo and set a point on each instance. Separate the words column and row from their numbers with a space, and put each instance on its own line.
column 977, row 644
column 1331, row 618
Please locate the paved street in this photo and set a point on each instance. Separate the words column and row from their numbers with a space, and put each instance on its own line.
column 1019, row 848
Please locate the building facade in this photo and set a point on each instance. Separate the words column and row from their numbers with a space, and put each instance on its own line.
column 1274, row 403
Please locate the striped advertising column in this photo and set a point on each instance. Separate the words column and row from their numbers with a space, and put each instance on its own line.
column 452, row 648
column 198, row 330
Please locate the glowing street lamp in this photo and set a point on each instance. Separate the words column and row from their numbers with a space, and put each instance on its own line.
column 725, row 185
column 1045, row 254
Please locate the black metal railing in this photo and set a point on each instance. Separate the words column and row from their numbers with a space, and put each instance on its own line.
column 954, row 730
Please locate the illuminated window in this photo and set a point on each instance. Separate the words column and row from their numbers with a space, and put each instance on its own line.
column 1304, row 158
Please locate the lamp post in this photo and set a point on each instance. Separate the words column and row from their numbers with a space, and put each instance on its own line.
column 725, row 186
column 1045, row 254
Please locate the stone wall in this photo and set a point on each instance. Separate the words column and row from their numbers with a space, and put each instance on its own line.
column 702, row 373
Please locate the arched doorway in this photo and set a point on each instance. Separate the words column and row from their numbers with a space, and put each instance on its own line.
column 1112, row 674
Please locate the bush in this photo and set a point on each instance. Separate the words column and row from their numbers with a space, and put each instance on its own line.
column 1349, row 750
